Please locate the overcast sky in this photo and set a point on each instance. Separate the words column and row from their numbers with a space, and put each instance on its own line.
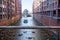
column 27, row 4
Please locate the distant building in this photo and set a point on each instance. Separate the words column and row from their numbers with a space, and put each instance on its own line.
column 20, row 7
column 25, row 12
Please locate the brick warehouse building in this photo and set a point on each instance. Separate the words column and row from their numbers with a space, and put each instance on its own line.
column 8, row 13
column 20, row 8
column 47, row 12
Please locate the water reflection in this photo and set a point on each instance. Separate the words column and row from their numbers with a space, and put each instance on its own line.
column 28, row 21
column 27, row 34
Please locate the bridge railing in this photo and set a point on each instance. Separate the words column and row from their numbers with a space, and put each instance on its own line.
column 48, row 32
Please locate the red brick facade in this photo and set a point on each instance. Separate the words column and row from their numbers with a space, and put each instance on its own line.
column 9, row 12
column 47, row 12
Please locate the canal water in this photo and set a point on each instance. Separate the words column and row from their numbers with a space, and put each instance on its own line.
column 29, row 34
column 30, row 21
column 27, row 21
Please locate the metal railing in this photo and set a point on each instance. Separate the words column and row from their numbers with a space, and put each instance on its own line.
column 30, row 27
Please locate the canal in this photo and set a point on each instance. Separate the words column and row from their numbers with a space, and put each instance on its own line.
column 28, row 34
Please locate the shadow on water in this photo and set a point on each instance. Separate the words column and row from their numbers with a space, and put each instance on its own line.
column 37, row 22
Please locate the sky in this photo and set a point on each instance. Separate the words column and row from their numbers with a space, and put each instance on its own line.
column 27, row 4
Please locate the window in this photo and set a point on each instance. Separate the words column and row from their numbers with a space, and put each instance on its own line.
column 0, row 1
column 55, row 5
column 0, row 9
column 59, row 13
column 59, row 3
column 47, row 5
column 4, row 9
column 48, row 13
column 54, row 13
column 0, row 16
column 49, row 0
